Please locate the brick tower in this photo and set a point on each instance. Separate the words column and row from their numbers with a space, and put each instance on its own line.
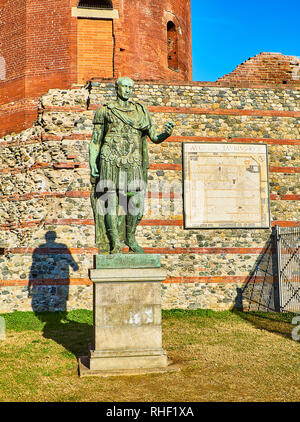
column 48, row 44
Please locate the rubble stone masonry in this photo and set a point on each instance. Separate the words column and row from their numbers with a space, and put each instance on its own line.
column 46, row 218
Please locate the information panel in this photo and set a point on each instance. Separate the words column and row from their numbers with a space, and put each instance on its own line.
column 226, row 185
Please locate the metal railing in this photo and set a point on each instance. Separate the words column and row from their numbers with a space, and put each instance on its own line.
column 288, row 261
column 260, row 293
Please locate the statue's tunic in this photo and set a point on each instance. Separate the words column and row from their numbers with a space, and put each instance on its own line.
column 123, row 149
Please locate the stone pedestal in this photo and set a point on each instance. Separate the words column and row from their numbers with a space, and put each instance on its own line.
column 127, row 316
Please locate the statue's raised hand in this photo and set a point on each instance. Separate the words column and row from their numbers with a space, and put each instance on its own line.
column 169, row 128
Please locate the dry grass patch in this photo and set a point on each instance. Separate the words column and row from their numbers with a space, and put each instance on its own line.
column 224, row 356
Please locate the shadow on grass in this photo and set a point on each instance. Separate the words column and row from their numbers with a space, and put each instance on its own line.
column 73, row 335
column 48, row 288
column 276, row 323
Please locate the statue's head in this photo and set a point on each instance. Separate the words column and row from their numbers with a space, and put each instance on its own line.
column 124, row 87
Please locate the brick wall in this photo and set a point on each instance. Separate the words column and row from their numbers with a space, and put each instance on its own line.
column 45, row 188
column 142, row 50
column 34, row 41
column 45, row 47
column 265, row 69
column 12, row 47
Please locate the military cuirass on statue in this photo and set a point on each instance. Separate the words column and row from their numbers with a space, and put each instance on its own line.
column 124, row 143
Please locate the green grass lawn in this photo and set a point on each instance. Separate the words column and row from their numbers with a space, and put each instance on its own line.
column 223, row 356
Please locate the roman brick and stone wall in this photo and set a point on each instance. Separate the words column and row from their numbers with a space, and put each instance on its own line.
column 35, row 45
column 45, row 214
column 12, row 78
column 48, row 44
column 143, row 49
column 265, row 68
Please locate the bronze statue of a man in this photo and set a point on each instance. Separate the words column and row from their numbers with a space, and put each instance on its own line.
column 119, row 166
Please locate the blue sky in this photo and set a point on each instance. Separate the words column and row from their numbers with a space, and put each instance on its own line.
column 227, row 32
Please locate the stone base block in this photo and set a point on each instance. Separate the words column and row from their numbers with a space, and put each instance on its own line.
column 139, row 359
column 127, row 261
column 126, row 362
column 127, row 314
column 85, row 371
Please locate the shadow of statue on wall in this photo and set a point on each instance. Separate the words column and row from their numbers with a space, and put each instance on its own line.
column 49, row 276
column 48, row 288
